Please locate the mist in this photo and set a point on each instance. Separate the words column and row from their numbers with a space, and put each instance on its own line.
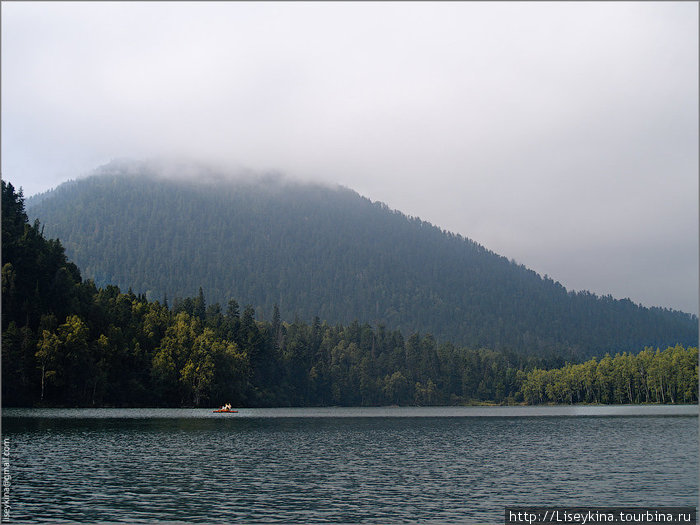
column 562, row 135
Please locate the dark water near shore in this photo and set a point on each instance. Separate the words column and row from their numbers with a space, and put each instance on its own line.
column 345, row 465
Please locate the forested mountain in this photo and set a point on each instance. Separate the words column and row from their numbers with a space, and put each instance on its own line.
column 328, row 252
column 66, row 342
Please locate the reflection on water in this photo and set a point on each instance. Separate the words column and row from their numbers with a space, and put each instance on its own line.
column 306, row 465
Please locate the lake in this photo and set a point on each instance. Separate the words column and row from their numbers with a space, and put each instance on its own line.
column 344, row 465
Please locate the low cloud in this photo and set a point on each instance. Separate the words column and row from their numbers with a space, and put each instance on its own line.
column 551, row 133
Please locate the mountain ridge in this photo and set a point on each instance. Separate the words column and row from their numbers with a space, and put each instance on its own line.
column 326, row 251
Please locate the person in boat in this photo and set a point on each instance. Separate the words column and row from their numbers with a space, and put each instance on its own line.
column 227, row 406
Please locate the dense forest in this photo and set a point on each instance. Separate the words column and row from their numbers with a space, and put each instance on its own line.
column 328, row 252
column 66, row 342
column 670, row 376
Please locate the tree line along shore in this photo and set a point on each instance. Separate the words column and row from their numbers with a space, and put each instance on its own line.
column 66, row 342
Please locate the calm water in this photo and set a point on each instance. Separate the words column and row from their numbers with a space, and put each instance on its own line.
column 345, row 465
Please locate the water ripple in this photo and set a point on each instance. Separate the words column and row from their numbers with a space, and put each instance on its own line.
column 342, row 470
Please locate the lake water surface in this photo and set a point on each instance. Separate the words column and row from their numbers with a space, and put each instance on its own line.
column 344, row 465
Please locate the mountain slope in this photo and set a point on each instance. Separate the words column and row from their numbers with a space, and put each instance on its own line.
column 325, row 251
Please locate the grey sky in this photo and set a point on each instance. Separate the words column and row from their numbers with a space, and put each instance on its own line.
column 562, row 135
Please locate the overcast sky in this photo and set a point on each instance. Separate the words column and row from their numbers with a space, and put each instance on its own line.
column 561, row 135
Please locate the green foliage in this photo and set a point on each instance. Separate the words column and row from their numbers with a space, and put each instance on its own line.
column 317, row 251
column 670, row 376
column 79, row 345
column 37, row 278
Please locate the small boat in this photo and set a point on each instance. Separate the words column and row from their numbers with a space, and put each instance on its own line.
column 226, row 409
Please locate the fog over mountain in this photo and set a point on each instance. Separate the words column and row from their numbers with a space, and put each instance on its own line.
column 563, row 134
column 317, row 250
